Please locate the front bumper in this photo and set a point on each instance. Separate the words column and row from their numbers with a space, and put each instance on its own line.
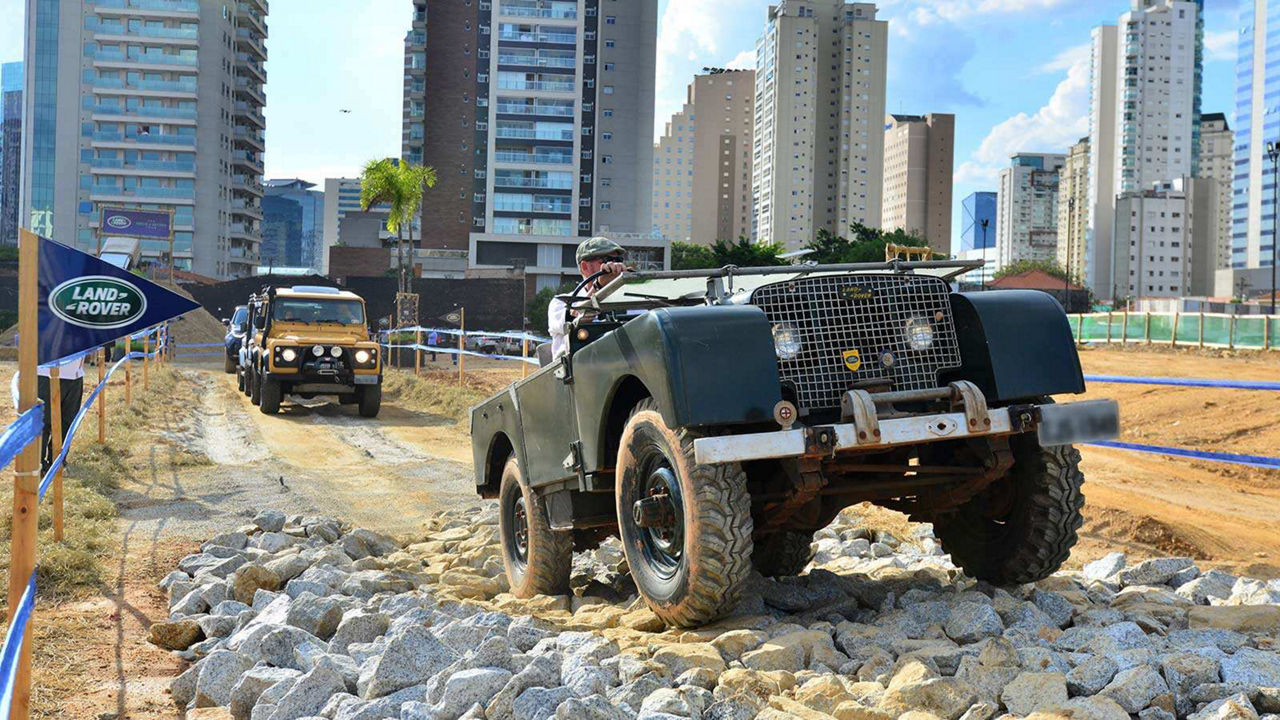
column 1066, row 423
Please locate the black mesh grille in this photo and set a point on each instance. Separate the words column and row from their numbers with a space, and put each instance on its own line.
column 865, row 313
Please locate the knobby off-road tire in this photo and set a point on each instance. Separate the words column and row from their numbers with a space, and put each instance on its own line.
column 269, row 396
column 783, row 553
column 692, row 572
column 537, row 559
column 255, row 388
column 370, row 399
column 1022, row 528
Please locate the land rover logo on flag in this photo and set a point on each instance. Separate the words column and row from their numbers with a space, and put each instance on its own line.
column 98, row 302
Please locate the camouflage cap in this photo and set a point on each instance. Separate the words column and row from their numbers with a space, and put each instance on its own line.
column 598, row 246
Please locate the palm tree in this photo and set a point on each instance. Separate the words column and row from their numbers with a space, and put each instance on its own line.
column 400, row 185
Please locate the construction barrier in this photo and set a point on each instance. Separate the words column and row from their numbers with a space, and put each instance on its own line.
column 1233, row 458
column 1196, row 329
column 1186, row 382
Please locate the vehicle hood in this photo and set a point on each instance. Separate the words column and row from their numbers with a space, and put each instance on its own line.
column 303, row 334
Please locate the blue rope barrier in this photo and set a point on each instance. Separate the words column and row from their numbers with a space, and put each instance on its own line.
column 1186, row 382
column 455, row 351
column 1233, row 458
column 25, row 430
column 184, row 356
column 190, row 345
column 14, row 637
column 471, row 333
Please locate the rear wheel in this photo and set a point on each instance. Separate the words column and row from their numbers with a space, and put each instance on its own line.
column 370, row 400
column 1021, row 528
column 228, row 366
column 685, row 527
column 240, row 380
column 536, row 558
column 269, row 396
column 783, row 553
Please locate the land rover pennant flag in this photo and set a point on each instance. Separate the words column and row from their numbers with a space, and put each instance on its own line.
column 85, row 302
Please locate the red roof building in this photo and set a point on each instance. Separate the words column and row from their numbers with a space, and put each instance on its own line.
column 1032, row 280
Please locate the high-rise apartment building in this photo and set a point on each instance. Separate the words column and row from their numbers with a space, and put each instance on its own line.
column 1216, row 148
column 292, row 224
column 1027, row 209
column 1144, row 120
column 10, row 149
column 148, row 104
column 538, row 118
column 919, row 154
column 1164, row 239
column 703, row 161
column 818, row 152
column 1073, row 209
column 1253, row 227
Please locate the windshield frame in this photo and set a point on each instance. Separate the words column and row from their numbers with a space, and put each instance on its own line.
column 278, row 304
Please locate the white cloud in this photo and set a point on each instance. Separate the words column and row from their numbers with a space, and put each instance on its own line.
column 1068, row 58
column 745, row 60
column 1053, row 128
column 691, row 34
column 931, row 11
column 1220, row 45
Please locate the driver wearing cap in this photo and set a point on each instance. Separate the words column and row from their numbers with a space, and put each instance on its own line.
column 594, row 255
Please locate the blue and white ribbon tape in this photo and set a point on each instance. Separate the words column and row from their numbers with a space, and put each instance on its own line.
column 1233, row 458
column 1186, row 382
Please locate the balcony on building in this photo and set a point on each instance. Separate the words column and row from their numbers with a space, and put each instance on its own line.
column 251, row 66
column 251, row 90
column 247, row 13
column 247, row 159
column 186, row 9
column 534, row 180
column 539, row 107
column 243, row 206
column 246, row 184
column 542, row 9
column 525, row 33
column 530, row 57
column 166, row 88
column 154, row 168
column 249, row 136
column 172, row 195
column 249, row 39
column 536, row 155
column 131, row 60
column 513, row 130
column 251, row 112
column 113, row 138
column 112, row 112
column 121, row 30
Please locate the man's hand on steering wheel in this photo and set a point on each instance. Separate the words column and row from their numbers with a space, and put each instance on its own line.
column 609, row 272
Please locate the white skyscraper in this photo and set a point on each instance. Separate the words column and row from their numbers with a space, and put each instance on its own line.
column 1027, row 209
column 819, row 120
column 1144, row 117
column 153, row 105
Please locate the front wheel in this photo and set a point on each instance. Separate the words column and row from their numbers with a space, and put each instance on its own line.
column 240, row 380
column 269, row 396
column 685, row 527
column 1022, row 527
column 536, row 558
column 370, row 400
column 255, row 388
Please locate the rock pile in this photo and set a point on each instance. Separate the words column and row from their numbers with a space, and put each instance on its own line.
column 302, row 617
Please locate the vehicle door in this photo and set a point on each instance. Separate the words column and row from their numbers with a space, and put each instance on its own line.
column 549, row 425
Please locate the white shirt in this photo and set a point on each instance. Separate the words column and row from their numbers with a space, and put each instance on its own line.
column 557, row 325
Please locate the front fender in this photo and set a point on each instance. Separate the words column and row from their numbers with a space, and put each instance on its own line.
column 1015, row 345
column 703, row 366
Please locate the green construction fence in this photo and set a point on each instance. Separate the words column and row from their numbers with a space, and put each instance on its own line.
column 1215, row 330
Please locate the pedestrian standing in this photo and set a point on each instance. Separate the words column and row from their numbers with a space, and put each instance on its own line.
column 71, row 382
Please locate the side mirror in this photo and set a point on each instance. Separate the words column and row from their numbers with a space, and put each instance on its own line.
column 226, row 321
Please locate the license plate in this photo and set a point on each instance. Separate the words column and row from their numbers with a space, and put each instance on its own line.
column 366, row 379
column 1079, row 422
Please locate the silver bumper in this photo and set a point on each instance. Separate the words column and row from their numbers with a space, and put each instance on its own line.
column 1090, row 420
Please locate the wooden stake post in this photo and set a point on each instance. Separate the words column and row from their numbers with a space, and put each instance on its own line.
column 524, row 354
column 462, row 341
column 55, row 438
column 26, row 476
column 102, row 397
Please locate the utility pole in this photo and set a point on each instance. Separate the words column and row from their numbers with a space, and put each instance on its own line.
column 1071, row 229
column 983, row 276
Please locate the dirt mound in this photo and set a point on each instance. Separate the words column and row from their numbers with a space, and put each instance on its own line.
column 1125, row 529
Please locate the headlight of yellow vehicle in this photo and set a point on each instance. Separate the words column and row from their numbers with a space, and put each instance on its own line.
column 336, row 351
column 288, row 355
column 363, row 357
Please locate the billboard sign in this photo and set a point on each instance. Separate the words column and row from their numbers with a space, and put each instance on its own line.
column 150, row 224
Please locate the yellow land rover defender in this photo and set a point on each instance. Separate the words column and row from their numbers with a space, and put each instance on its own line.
column 309, row 341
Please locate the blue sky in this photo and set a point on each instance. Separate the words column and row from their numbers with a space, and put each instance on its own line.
column 1014, row 72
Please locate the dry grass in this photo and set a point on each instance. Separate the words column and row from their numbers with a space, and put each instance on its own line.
column 75, row 568
column 439, row 392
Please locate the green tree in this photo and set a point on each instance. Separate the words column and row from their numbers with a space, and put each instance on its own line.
column 538, row 306
column 400, row 185
column 867, row 245
column 1018, row 267
column 745, row 253
column 691, row 256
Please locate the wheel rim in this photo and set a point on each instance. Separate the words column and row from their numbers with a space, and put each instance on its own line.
column 518, row 541
column 663, row 545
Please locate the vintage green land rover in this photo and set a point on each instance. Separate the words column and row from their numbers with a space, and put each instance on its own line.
column 714, row 419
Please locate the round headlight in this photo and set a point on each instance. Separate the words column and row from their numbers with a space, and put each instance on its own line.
column 362, row 356
column 288, row 355
column 786, row 341
column 336, row 351
column 317, row 351
column 919, row 333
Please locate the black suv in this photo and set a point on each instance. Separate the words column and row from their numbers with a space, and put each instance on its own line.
column 237, row 325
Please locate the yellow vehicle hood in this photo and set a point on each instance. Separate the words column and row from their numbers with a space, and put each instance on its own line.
column 312, row 334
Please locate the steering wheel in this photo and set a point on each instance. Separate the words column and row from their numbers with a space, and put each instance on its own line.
column 568, row 306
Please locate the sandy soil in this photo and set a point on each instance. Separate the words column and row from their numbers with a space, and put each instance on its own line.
column 316, row 457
